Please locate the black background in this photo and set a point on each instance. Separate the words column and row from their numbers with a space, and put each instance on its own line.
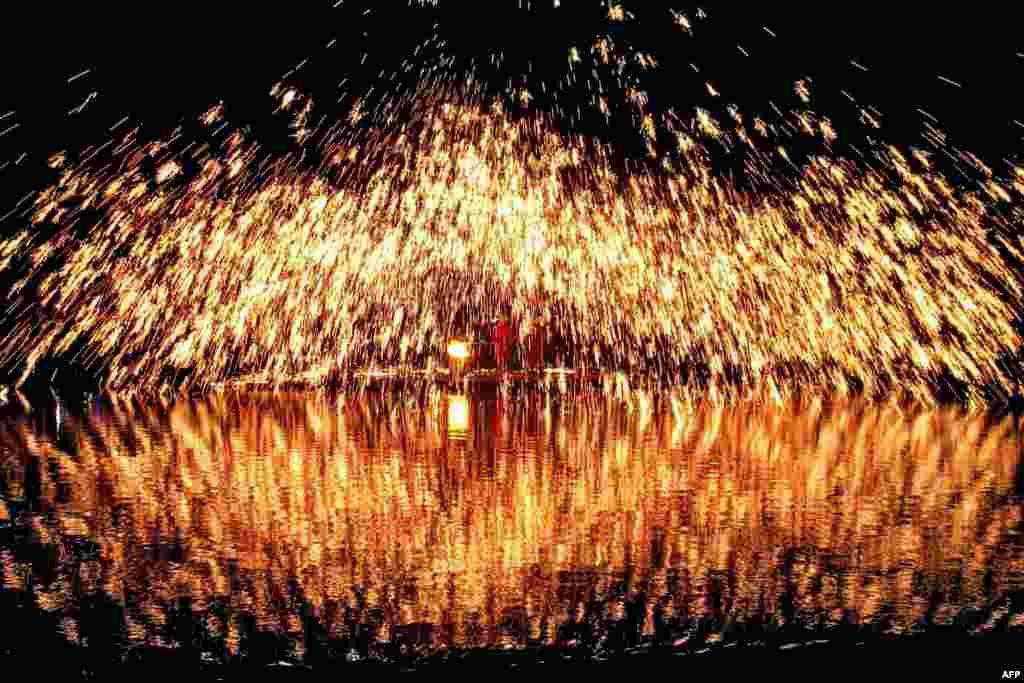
column 163, row 63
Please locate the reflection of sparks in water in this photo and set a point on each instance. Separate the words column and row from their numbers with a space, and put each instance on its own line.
column 894, row 516
column 451, row 207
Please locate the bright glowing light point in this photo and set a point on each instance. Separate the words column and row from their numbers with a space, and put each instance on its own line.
column 458, row 350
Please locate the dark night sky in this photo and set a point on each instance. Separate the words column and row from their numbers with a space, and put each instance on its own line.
column 174, row 60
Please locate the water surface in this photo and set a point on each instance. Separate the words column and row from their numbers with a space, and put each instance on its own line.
column 306, row 526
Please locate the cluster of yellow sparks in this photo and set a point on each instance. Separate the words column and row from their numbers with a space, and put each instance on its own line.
column 883, row 276
column 438, row 519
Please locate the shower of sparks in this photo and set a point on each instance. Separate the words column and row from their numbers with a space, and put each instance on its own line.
column 454, row 208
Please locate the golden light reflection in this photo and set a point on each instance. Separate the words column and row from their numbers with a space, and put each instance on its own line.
column 671, row 511
column 458, row 413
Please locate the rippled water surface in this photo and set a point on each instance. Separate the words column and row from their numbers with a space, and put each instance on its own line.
column 307, row 526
